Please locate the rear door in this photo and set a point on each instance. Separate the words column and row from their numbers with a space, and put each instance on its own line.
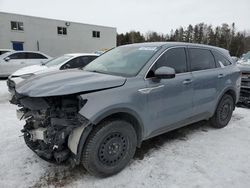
column 169, row 100
column 225, row 70
column 205, row 75
column 33, row 58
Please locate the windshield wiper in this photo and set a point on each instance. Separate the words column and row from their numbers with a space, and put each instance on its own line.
column 97, row 71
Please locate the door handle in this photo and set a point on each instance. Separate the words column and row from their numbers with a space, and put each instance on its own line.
column 221, row 75
column 187, row 81
column 22, row 63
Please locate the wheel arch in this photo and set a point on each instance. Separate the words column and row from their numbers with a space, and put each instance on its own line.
column 121, row 113
column 230, row 91
column 125, row 114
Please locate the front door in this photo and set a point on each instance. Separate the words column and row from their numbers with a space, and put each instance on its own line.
column 169, row 100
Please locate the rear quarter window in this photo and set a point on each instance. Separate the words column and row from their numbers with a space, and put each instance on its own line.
column 220, row 60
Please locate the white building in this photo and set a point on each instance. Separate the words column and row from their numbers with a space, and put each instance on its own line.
column 53, row 37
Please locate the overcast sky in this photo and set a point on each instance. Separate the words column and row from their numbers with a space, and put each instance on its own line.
column 140, row 15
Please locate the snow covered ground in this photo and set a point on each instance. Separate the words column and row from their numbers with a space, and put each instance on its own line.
column 194, row 156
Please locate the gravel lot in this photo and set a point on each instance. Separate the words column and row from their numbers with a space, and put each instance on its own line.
column 193, row 156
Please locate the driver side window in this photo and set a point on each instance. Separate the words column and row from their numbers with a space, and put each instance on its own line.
column 174, row 58
column 77, row 62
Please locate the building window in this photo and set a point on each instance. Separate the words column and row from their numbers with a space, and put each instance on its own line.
column 16, row 26
column 96, row 34
column 61, row 30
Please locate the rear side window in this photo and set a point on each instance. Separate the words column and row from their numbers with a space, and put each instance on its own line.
column 20, row 55
column 35, row 56
column 174, row 58
column 201, row 59
column 221, row 61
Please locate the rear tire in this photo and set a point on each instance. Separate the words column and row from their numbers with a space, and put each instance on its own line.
column 223, row 113
column 109, row 148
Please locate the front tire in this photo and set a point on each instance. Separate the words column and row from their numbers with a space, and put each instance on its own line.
column 109, row 148
column 223, row 112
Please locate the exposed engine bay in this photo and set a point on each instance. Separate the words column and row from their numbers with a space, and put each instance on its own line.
column 49, row 122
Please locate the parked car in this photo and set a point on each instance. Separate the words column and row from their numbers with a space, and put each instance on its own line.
column 244, row 66
column 67, row 61
column 12, row 61
column 245, row 58
column 3, row 51
column 97, row 117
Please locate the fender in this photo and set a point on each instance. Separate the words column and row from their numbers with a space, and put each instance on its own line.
column 77, row 140
column 118, row 110
column 79, row 135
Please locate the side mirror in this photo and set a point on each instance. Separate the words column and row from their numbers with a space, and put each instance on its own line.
column 165, row 73
column 7, row 59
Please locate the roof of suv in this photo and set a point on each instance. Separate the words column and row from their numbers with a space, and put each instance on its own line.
column 171, row 44
column 175, row 44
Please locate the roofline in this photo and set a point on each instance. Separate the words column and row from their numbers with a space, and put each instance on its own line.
column 82, row 54
column 174, row 43
column 38, row 17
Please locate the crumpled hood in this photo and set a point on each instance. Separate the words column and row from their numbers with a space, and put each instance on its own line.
column 67, row 82
column 29, row 70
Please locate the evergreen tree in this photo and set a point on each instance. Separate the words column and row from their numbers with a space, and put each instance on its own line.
column 224, row 36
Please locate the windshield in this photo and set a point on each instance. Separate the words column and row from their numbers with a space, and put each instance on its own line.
column 5, row 55
column 122, row 61
column 3, row 51
column 57, row 61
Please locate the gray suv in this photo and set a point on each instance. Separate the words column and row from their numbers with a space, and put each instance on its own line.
column 98, row 116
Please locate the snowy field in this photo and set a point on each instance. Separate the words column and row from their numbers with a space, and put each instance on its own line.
column 194, row 156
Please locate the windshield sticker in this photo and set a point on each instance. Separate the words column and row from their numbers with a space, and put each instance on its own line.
column 148, row 48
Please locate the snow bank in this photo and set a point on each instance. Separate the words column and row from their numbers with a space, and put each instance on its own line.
column 194, row 156
column 3, row 91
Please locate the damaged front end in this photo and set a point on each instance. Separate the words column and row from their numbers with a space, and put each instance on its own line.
column 49, row 123
column 51, row 102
